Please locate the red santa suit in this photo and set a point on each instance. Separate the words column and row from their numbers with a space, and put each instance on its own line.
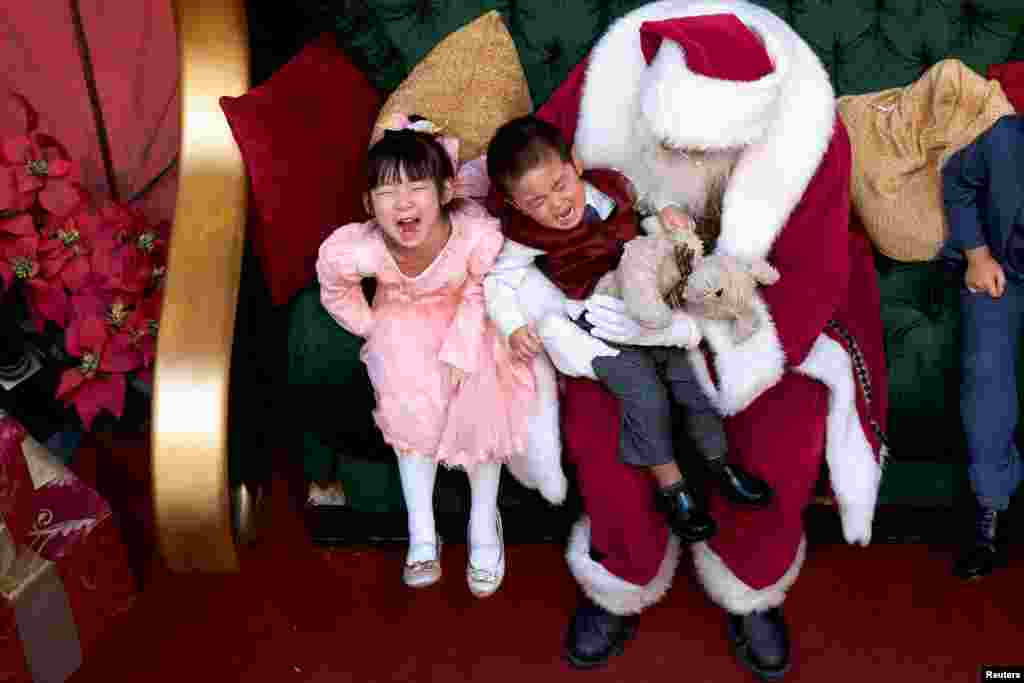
column 811, row 382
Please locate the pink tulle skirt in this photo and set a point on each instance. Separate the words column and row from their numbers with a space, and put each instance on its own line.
column 421, row 411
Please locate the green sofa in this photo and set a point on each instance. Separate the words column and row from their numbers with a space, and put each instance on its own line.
column 866, row 46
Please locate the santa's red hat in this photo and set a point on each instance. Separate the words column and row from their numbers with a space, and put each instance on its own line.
column 710, row 82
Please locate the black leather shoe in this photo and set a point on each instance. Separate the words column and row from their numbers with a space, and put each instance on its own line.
column 987, row 551
column 742, row 487
column 595, row 634
column 686, row 517
column 761, row 643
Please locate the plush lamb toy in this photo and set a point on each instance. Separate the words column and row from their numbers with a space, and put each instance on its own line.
column 667, row 269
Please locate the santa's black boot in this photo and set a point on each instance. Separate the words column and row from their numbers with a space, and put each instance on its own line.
column 987, row 550
column 595, row 634
column 739, row 486
column 761, row 643
column 686, row 516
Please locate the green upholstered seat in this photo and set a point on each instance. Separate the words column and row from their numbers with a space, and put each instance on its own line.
column 866, row 45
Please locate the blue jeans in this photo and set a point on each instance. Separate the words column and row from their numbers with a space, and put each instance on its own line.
column 990, row 349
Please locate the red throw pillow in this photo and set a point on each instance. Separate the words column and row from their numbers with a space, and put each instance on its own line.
column 303, row 134
column 1011, row 77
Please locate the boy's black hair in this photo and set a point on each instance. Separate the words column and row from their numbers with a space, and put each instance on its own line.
column 420, row 155
column 521, row 145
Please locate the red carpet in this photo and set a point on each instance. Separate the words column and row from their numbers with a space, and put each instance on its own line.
column 301, row 613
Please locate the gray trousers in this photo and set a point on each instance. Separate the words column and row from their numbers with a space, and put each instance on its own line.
column 646, row 381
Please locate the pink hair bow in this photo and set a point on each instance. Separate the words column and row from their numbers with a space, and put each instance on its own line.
column 471, row 179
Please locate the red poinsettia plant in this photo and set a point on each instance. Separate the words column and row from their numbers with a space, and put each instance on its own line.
column 90, row 267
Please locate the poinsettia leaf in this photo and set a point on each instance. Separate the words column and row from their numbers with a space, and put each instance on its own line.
column 120, row 355
column 151, row 306
column 85, row 304
column 93, row 334
column 145, row 374
column 106, row 262
column 19, row 149
column 86, row 333
column 31, row 115
column 98, row 394
column 50, row 268
column 89, row 223
column 70, row 380
column 19, row 226
column 11, row 198
column 28, row 183
column 76, row 272
column 26, row 246
column 58, row 168
column 52, row 148
column 48, row 299
column 60, row 197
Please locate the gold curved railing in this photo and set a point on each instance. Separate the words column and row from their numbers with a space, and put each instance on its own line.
column 190, row 399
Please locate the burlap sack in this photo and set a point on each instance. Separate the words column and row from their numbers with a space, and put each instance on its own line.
column 901, row 138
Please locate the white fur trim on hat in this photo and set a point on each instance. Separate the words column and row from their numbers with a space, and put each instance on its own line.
column 730, row 593
column 676, row 103
column 609, row 591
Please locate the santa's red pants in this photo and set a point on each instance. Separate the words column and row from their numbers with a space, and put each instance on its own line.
column 780, row 437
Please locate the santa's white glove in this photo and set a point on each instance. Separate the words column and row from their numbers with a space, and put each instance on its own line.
column 570, row 348
column 611, row 323
column 574, row 308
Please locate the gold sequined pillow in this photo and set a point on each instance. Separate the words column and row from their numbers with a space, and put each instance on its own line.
column 469, row 84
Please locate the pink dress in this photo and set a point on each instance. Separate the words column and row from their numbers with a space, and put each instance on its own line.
column 421, row 326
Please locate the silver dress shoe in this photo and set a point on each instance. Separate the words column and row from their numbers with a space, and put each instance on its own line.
column 482, row 581
column 423, row 573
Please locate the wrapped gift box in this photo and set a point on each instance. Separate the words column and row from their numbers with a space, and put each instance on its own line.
column 64, row 573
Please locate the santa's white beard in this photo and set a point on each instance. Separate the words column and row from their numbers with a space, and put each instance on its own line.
column 663, row 176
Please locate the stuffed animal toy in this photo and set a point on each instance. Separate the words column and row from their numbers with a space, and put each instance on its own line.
column 668, row 270
column 721, row 287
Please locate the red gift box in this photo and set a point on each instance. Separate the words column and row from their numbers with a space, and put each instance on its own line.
column 64, row 573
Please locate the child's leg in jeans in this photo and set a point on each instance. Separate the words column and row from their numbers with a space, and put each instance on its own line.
column 418, row 474
column 484, row 543
column 990, row 347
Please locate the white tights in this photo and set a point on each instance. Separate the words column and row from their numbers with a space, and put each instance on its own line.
column 418, row 474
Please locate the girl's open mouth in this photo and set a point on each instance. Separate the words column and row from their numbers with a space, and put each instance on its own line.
column 408, row 226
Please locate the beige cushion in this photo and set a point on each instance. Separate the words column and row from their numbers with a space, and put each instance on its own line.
column 901, row 137
column 469, row 84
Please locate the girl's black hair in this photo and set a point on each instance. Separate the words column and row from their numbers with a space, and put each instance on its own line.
column 418, row 154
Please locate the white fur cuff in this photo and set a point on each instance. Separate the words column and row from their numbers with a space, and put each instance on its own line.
column 729, row 592
column 540, row 467
column 609, row 591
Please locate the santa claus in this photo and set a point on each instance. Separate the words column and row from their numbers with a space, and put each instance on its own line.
column 688, row 98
